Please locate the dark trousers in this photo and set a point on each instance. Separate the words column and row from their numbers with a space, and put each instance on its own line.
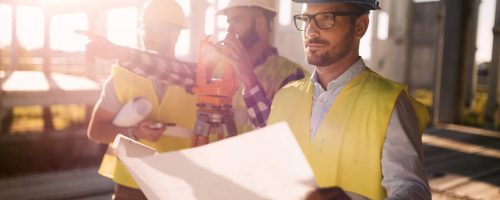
column 126, row 193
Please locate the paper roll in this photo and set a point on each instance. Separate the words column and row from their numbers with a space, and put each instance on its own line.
column 133, row 112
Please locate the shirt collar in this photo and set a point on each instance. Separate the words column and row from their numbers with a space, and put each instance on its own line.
column 351, row 72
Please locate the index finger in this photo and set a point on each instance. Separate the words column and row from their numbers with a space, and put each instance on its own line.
column 89, row 34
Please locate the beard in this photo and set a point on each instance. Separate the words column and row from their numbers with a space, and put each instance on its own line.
column 249, row 38
column 330, row 56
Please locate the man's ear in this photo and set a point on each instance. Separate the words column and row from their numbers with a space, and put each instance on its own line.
column 361, row 26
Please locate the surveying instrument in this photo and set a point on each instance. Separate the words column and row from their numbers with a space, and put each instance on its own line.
column 215, row 87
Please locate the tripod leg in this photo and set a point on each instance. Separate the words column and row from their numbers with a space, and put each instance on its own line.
column 229, row 127
column 202, row 130
column 199, row 141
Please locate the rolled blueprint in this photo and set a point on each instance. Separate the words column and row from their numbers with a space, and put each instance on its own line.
column 133, row 112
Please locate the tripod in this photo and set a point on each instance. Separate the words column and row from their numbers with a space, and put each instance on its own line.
column 210, row 120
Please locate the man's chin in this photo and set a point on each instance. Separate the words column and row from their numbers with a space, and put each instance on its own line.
column 316, row 61
column 312, row 59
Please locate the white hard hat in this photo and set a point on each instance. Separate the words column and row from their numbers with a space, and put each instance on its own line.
column 269, row 5
column 164, row 11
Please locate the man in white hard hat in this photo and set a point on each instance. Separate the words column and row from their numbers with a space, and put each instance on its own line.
column 161, row 23
column 256, row 62
column 359, row 131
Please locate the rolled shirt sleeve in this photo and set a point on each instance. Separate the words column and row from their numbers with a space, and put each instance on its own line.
column 164, row 69
column 403, row 169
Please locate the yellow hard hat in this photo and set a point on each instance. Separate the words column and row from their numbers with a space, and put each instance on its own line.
column 164, row 11
column 269, row 5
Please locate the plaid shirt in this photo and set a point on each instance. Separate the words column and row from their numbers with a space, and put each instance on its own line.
column 183, row 74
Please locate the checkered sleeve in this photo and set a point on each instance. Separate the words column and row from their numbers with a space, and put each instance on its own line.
column 168, row 70
column 258, row 105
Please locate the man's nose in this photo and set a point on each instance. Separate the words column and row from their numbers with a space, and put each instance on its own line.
column 311, row 30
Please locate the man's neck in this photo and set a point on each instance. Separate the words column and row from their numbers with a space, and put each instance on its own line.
column 331, row 72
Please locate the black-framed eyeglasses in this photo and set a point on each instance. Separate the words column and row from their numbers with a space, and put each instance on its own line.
column 323, row 20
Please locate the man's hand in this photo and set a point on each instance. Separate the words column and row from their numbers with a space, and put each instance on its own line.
column 145, row 131
column 101, row 47
column 238, row 57
column 330, row 193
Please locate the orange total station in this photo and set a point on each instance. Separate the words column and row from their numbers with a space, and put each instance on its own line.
column 215, row 87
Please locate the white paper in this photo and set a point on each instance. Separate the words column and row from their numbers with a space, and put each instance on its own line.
column 263, row 164
column 133, row 112
column 131, row 148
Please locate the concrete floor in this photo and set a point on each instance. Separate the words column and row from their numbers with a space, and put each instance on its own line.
column 462, row 163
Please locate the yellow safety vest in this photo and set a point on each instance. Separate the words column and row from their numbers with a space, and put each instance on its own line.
column 176, row 106
column 271, row 74
column 346, row 150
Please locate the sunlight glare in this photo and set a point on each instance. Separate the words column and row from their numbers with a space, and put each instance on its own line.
column 222, row 4
column 222, row 22
column 182, row 46
column 122, row 26
column 30, row 23
column 209, row 21
column 285, row 13
column 486, row 22
column 5, row 25
column 383, row 25
column 62, row 35
column 186, row 7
